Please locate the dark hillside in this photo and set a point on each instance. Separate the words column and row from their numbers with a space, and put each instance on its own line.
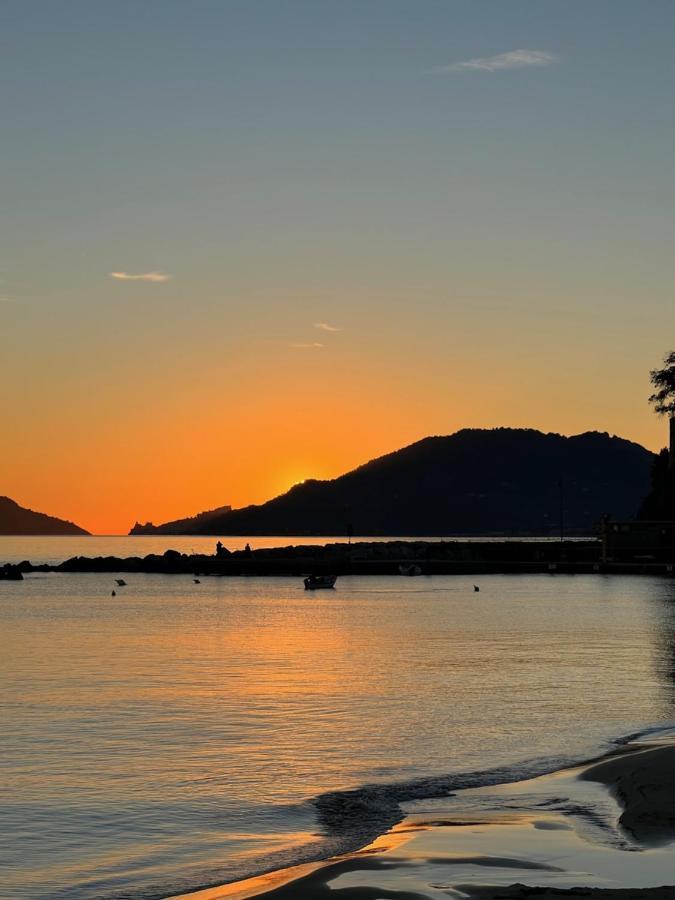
column 501, row 481
column 17, row 520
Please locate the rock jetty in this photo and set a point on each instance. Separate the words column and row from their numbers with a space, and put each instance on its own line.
column 362, row 558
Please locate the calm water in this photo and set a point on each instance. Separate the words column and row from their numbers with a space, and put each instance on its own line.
column 180, row 734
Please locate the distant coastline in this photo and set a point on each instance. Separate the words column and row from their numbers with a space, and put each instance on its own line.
column 16, row 520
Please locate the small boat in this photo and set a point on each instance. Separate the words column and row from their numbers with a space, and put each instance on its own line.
column 196, row 581
column 121, row 582
column 412, row 569
column 315, row 582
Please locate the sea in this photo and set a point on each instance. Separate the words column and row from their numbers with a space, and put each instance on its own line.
column 181, row 735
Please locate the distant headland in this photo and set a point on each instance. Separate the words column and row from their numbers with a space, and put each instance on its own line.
column 17, row 520
column 502, row 481
column 198, row 524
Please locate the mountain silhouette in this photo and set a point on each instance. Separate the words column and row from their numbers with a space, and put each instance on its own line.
column 509, row 481
column 17, row 520
column 198, row 524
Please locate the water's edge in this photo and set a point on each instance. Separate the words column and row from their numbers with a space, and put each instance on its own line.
column 349, row 820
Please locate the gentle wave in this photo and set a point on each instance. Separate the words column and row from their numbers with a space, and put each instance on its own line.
column 379, row 806
column 350, row 819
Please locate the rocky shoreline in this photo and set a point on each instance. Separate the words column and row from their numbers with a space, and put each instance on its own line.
column 369, row 558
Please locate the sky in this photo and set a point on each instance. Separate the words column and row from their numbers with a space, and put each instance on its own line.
column 248, row 242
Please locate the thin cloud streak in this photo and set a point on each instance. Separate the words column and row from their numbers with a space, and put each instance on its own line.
column 514, row 59
column 144, row 276
column 324, row 326
column 311, row 346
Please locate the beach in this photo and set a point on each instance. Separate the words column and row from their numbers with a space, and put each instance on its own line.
column 605, row 829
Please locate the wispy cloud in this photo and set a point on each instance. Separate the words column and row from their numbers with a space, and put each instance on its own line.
column 143, row 276
column 310, row 346
column 324, row 326
column 514, row 59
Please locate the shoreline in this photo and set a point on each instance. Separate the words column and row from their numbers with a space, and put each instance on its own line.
column 366, row 558
column 498, row 841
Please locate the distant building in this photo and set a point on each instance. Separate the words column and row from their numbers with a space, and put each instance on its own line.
column 638, row 541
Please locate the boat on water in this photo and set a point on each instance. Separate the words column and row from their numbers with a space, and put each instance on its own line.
column 120, row 581
column 412, row 569
column 315, row 582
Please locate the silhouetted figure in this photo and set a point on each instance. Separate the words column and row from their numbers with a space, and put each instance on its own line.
column 221, row 551
column 475, row 588
column 247, row 550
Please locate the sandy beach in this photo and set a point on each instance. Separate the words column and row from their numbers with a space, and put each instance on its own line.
column 605, row 829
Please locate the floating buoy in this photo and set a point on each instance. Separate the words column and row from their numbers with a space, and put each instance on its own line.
column 113, row 594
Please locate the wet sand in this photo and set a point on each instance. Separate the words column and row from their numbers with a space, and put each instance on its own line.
column 644, row 784
column 605, row 830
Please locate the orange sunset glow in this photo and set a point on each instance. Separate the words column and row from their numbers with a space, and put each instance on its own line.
column 262, row 291
column 130, row 461
column 115, row 453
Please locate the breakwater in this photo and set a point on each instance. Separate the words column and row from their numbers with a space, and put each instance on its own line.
column 369, row 558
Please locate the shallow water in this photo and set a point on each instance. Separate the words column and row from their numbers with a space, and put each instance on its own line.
column 178, row 735
column 555, row 831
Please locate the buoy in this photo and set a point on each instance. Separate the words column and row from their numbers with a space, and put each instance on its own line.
column 476, row 588
column 113, row 594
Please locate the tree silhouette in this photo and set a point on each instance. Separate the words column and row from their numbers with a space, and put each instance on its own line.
column 663, row 380
column 659, row 504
